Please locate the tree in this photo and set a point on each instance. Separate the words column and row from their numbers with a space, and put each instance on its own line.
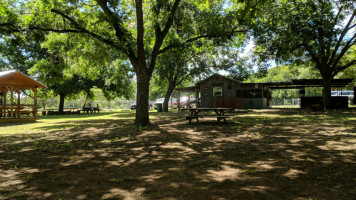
column 135, row 31
column 52, row 71
column 177, row 66
column 321, row 32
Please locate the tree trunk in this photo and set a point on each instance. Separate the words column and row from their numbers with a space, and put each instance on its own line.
column 143, row 82
column 327, row 92
column 169, row 92
column 44, row 105
column 61, row 103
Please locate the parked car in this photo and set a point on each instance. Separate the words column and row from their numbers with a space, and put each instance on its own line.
column 184, row 102
column 133, row 106
column 346, row 93
column 161, row 100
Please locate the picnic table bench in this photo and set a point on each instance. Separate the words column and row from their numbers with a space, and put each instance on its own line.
column 91, row 109
column 17, row 111
column 219, row 113
column 66, row 111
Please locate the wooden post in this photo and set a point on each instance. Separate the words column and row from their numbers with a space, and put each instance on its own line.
column 2, row 104
column 197, row 103
column 18, row 97
column 18, row 103
column 5, row 99
column 12, row 102
column 35, row 103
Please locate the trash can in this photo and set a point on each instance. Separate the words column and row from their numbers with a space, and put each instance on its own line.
column 159, row 107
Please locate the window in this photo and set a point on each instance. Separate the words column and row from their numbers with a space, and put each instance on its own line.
column 238, row 93
column 257, row 93
column 244, row 93
column 253, row 93
column 217, row 91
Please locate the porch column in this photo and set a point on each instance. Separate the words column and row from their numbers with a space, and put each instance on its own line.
column 35, row 103
column 2, row 108
column 5, row 94
column 197, row 103
column 18, row 103
column 12, row 102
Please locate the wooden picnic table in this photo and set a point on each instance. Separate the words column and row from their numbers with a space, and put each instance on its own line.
column 91, row 109
column 55, row 111
column 219, row 113
column 16, row 111
column 72, row 109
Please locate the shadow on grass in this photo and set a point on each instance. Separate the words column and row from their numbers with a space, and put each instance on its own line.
column 255, row 156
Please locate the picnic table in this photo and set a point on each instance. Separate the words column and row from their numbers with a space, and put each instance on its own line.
column 91, row 109
column 219, row 113
column 66, row 111
column 17, row 111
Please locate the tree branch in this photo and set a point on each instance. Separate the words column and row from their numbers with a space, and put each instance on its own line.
column 161, row 36
column 313, row 56
column 80, row 30
column 197, row 38
column 339, row 69
column 346, row 29
column 14, row 28
column 55, row 30
column 7, row 24
column 182, row 79
column 347, row 46
column 119, row 30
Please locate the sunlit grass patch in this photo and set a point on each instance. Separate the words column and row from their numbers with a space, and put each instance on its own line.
column 64, row 122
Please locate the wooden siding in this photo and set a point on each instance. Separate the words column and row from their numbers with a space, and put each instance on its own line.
column 230, row 90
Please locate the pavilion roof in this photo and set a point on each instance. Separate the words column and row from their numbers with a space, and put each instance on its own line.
column 218, row 75
column 302, row 83
column 17, row 80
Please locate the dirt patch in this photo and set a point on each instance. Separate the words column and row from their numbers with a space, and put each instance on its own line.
column 256, row 155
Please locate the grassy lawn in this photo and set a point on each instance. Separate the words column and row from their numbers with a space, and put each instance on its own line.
column 259, row 154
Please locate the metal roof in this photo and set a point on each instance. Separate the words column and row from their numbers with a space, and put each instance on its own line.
column 293, row 84
column 188, row 89
column 231, row 79
column 302, row 83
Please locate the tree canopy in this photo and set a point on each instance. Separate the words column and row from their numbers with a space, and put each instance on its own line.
column 320, row 32
column 132, row 31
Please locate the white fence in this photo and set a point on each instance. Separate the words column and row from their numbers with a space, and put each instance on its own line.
column 103, row 104
column 286, row 102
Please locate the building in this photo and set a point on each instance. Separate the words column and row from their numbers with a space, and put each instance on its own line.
column 221, row 91
column 14, row 83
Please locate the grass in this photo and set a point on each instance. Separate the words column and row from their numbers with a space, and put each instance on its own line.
column 258, row 154
column 64, row 122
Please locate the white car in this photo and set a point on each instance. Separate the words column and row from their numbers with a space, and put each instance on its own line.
column 161, row 100
column 346, row 93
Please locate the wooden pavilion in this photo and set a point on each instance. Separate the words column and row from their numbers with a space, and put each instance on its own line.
column 16, row 82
